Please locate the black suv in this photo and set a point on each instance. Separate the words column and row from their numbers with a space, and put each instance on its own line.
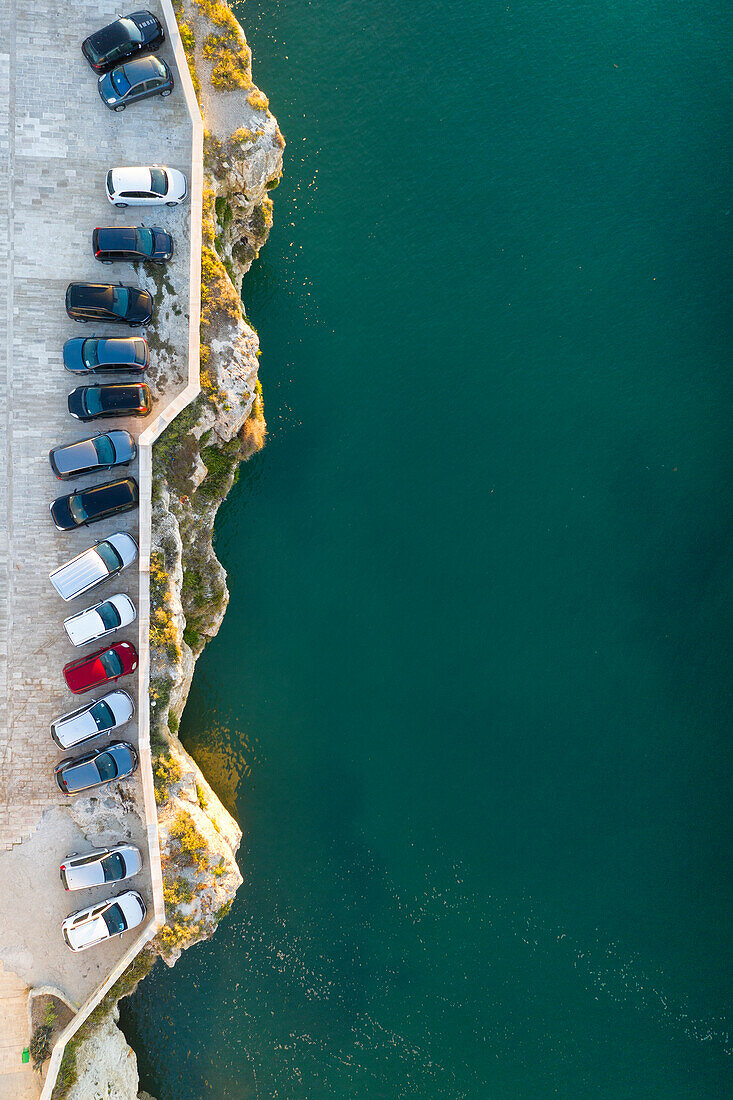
column 126, row 37
column 119, row 304
column 97, row 502
column 106, row 353
column 131, row 243
column 116, row 399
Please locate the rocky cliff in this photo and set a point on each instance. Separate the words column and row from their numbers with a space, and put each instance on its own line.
column 194, row 466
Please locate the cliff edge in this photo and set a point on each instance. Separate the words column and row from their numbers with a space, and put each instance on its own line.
column 195, row 463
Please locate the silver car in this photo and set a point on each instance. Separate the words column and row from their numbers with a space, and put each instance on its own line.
column 99, row 452
column 100, row 620
column 100, row 866
column 103, row 921
column 93, row 719
column 94, row 565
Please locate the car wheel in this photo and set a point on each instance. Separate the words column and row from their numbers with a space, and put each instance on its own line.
column 121, row 107
column 166, row 93
column 121, row 205
column 171, row 204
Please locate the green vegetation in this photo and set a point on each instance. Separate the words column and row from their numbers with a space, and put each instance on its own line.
column 220, row 463
column 258, row 100
column 173, row 722
column 166, row 773
column 40, row 1044
column 232, row 58
column 223, row 912
column 201, row 795
column 163, row 630
column 192, row 846
column 123, row 987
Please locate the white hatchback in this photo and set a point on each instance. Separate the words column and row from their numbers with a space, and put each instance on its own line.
column 99, row 716
column 155, row 185
column 100, row 620
column 103, row 921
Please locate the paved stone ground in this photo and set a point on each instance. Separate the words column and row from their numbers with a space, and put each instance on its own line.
column 17, row 1081
column 57, row 140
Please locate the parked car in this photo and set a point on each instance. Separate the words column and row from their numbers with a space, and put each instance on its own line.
column 96, row 502
column 100, row 667
column 103, row 921
column 99, row 716
column 102, row 619
column 132, row 243
column 97, row 563
column 102, row 451
column 126, row 37
column 114, row 399
column 96, row 767
column 100, row 866
column 146, row 186
column 96, row 354
column 133, row 81
column 116, row 304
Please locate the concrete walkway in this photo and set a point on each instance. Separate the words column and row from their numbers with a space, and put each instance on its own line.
column 17, row 1081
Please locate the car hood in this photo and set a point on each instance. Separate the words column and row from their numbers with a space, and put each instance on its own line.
column 72, row 354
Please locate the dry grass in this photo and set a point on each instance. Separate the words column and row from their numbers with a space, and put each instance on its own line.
column 258, row 100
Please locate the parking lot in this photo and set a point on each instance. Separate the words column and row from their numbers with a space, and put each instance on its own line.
column 57, row 142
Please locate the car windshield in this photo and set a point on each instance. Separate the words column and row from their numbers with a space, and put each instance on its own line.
column 92, row 401
column 89, row 354
column 145, row 241
column 109, row 615
column 114, row 868
column 103, row 717
column 109, row 556
column 112, row 663
column 120, row 300
column 158, row 181
column 140, row 351
column 120, row 81
column 106, row 767
column 77, row 509
column 115, row 920
column 105, row 450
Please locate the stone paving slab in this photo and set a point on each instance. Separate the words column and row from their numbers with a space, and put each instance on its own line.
column 57, row 141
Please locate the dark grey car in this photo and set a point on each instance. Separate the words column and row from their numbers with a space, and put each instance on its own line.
column 102, row 451
column 133, row 81
column 96, row 768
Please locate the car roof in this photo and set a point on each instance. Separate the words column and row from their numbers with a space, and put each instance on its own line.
column 142, row 68
column 131, row 178
column 117, row 236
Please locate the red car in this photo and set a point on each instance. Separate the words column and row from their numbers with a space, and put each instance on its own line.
column 101, row 666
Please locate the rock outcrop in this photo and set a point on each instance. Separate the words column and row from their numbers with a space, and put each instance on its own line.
column 106, row 1065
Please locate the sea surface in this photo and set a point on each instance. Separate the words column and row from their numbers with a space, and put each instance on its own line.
column 470, row 701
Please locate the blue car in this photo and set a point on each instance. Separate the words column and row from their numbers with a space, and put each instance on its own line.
column 135, row 80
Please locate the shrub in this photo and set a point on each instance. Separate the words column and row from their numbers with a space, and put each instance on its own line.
column 258, row 100
column 203, row 800
column 192, row 844
column 192, row 637
column 40, row 1045
column 166, row 772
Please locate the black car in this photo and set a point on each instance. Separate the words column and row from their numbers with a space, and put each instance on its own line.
column 102, row 451
column 131, row 243
column 94, row 768
column 133, row 81
column 97, row 354
column 115, row 399
column 118, row 304
column 126, row 37
column 97, row 502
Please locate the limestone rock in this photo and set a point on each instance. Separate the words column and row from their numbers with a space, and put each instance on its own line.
column 106, row 1065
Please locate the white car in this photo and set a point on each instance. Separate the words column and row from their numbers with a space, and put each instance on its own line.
column 93, row 719
column 155, row 185
column 100, row 866
column 100, row 620
column 103, row 921
column 94, row 565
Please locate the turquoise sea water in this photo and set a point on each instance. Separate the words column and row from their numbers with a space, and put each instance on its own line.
column 470, row 699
